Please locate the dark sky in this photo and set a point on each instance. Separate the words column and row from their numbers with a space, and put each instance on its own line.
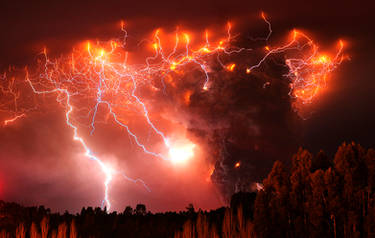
column 34, row 171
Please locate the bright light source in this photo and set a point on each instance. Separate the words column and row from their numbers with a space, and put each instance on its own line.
column 181, row 153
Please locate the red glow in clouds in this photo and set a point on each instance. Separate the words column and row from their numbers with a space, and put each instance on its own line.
column 97, row 84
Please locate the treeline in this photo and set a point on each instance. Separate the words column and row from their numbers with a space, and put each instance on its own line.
column 38, row 222
column 314, row 196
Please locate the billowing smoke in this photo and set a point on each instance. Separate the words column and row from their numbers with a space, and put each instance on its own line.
column 243, row 123
column 234, row 97
column 250, row 120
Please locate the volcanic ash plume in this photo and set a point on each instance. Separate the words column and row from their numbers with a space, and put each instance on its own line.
column 238, row 100
column 244, row 123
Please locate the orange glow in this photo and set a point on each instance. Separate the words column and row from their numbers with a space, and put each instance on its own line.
column 310, row 77
column 187, row 37
column 8, row 121
column 206, row 35
column 295, row 33
column 173, row 66
column 210, row 172
column 100, row 73
column 341, row 44
column 155, row 46
column 323, row 59
column 205, row 49
column 231, row 67
column 187, row 97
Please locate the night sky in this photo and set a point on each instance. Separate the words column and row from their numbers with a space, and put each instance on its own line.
column 41, row 165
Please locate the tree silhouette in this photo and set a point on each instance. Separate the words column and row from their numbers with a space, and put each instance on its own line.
column 315, row 197
column 140, row 209
column 128, row 211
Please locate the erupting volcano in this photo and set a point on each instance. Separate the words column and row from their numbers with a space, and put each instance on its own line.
column 180, row 94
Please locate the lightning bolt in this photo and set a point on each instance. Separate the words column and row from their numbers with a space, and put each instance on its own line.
column 8, row 121
column 108, row 171
column 99, row 73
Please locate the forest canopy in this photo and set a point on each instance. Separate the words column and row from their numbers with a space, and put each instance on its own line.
column 314, row 196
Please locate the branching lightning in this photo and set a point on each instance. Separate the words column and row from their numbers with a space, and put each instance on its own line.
column 96, row 76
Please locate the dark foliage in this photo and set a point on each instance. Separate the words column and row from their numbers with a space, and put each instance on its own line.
column 319, row 197
column 315, row 197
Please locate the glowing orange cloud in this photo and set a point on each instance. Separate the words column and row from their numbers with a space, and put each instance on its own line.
column 98, row 75
column 309, row 74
